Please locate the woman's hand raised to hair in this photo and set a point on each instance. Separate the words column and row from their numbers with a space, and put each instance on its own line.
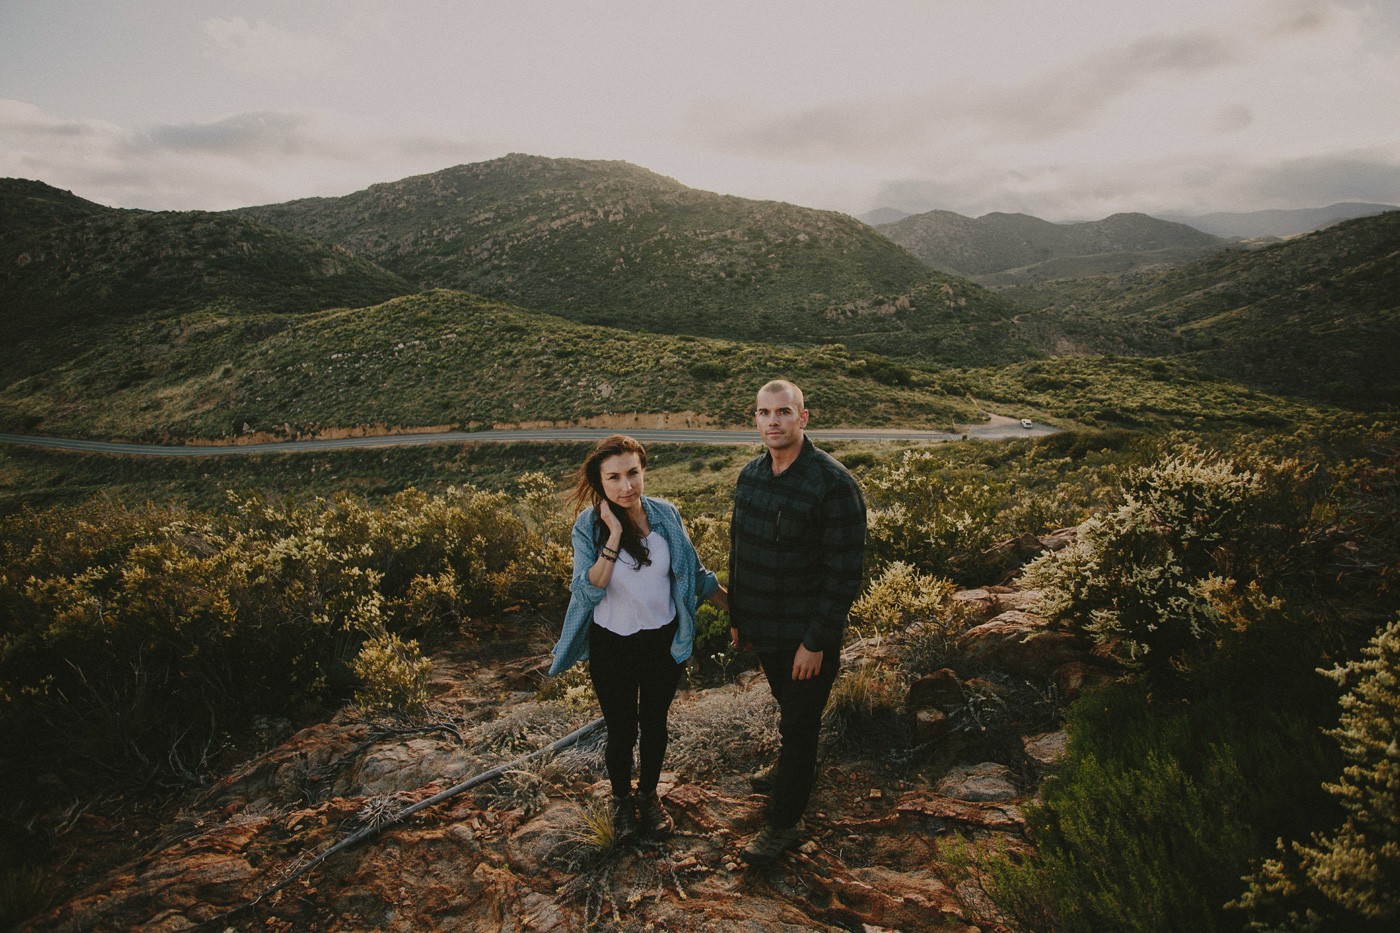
column 610, row 519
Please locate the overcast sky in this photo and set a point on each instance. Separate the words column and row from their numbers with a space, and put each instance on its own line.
column 1066, row 110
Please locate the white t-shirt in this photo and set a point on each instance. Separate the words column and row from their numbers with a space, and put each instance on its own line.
column 638, row 599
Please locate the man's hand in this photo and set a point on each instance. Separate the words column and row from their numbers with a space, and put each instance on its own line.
column 806, row 664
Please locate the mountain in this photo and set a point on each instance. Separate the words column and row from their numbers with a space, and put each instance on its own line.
column 614, row 244
column 71, row 272
column 996, row 243
column 1315, row 315
column 883, row 215
column 29, row 207
column 1279, row 223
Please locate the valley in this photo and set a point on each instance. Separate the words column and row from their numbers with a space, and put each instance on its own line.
column 212, row 666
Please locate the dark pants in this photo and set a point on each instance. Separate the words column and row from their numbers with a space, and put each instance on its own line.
column 800, row 703
column 635, row 679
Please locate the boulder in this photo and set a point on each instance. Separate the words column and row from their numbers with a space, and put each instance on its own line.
column 1022, row 600
column 1072, row 679
column 985, row 781
column 930, row 725
column 939, row 690
column 1047, row 750
column 1018, row 643
column 978, row 602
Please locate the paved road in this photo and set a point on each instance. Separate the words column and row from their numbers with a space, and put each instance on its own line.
column 652, row 436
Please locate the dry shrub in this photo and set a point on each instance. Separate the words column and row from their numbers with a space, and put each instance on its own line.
column 721, row 730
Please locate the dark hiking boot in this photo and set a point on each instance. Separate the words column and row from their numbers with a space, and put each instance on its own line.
column 655, row 823
column 624, row 819
column 772, row 842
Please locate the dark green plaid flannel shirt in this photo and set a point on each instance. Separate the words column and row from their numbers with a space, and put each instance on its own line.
column 797, row 543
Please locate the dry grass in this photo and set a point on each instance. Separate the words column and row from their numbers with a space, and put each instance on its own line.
column 721, row 730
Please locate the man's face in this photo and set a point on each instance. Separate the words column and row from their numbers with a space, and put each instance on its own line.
column 779, row 421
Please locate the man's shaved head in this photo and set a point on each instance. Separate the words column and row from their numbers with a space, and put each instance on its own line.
column 783, row 387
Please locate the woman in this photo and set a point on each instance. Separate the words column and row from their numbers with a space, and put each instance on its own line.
column 636, row 585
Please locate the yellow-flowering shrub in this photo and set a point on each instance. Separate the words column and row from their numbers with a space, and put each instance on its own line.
column 393, row 677
column 901, row 596
column 134, row 636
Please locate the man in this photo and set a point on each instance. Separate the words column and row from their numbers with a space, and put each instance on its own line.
column 797, row 540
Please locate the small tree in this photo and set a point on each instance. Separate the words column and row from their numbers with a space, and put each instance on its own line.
column 1350, row 881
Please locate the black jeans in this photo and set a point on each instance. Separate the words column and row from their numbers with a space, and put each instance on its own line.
column 800, row 703
column 635, row 679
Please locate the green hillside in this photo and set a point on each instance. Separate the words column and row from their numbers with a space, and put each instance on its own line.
column 438, row 358
column 29, row 207
column 1317, row 315
column 614, row 244
column 73, row 273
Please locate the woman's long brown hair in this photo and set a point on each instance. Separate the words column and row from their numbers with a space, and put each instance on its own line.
column 588, row 492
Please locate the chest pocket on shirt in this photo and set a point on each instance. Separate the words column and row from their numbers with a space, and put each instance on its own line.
column 795, row 529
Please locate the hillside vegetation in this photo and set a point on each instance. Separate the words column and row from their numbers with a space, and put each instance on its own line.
column 611, row 243
column 74, row 274
column 439, row 358
column 1000, row 242
column 1318, row 315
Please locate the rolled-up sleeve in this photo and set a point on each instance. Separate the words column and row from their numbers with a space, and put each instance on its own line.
column 585, row 556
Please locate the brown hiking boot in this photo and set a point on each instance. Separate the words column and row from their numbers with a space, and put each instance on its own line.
column 655, row 823
column 771, row 843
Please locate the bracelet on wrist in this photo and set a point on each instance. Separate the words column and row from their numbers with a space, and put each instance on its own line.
column 611, row 557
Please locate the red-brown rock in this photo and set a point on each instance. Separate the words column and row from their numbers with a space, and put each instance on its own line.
column 1019, row 644
column 939, row 690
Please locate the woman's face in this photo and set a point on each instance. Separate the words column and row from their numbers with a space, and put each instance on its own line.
column 622, row 479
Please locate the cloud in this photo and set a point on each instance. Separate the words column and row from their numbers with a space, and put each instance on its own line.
column 248, row 136
column 1371, row 175
column 1287, row 18
column 1044, row 107
column 1231, row 119
column 1054, row 104
column 262, row 49
column 248, row 158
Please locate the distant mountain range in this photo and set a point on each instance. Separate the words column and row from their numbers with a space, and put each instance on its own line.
column 1314, row 315
column 614, row 244
column 477, row 294
column 1278, row 223
column 998, row 243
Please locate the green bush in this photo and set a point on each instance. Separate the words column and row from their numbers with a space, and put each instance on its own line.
column 132, row 637
column 1154, row 579
column 939, row 520
column 1349, row 880
column 393, row 677
column 1158, row 813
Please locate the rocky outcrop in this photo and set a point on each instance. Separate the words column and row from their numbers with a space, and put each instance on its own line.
column 1019, row 643
column 522, row 853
